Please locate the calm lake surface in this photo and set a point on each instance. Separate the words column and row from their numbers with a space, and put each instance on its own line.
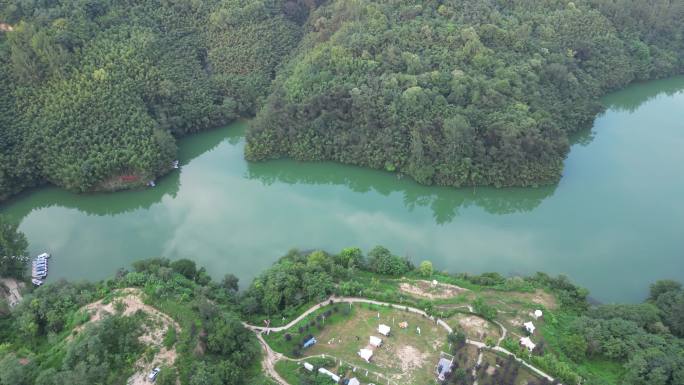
column 614, row 223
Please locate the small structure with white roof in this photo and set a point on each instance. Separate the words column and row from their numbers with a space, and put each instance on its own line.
column 529, row 326
column 443, row 368
column 537, row 314
column 330, row 374
column 366, row 354
column 384, row 330
column 375, row 341
column 527, row 342
column 308, row 366
column 353, row 381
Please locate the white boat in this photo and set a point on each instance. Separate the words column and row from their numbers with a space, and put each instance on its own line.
column 174, row 164
column 44, row 255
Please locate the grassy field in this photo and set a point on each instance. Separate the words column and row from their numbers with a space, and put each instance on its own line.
column 405, row 357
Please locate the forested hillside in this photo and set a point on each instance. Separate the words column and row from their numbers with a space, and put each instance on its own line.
column 453, row 92
column 97, row 90
column 461, row 92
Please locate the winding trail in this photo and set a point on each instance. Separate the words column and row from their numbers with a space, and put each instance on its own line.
column 272, row 357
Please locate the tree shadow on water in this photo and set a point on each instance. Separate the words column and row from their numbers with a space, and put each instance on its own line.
column 444, row 202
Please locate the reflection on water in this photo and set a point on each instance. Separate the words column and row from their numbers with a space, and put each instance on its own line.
column 615, row 214
column 443, row 201
column 626, row 100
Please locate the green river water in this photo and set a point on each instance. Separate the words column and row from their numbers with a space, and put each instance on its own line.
column 613, row 224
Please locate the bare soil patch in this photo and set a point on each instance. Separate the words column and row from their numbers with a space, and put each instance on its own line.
column 10, row 290
column 411, row 358
column 426, row 289
column 475, row 328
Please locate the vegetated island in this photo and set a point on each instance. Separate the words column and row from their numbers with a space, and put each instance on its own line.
column 311, row 317
column 456, row 92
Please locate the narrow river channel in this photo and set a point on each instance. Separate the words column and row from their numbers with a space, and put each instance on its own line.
column 614, row 223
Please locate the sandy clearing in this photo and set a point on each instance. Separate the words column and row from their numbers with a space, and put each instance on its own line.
column 410, row 358
column 426, row 289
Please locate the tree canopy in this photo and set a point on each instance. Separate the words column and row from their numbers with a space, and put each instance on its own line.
column 460, row 92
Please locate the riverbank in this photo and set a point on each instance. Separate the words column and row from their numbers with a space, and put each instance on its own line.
column 482, row 321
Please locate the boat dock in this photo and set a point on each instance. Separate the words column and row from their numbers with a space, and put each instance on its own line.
column 39, row 269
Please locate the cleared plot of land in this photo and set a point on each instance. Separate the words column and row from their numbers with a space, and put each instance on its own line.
column 426, row 289
column 405, row 356
column 497, row 370
column 475, row 328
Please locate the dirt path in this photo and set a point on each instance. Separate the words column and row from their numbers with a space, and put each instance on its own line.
column 269, row 361
column 273, row 357
column 14, row 294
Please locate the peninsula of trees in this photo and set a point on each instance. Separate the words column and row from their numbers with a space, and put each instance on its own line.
column 451, row 92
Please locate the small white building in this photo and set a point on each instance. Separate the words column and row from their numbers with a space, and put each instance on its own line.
column 527, row 342
column 308, row 366
column 366, row 354
column 354, row 381
column 529, row 326
column 375, row 341
column 330, row 374
column 537, row 314
column 443, row 368
column 384, row 330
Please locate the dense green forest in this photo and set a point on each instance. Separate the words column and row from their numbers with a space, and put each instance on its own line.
column 453, row 92
column 461, row 92
column 96, row 91
column 47, row 339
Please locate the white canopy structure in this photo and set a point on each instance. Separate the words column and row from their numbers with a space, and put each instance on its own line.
column 366, row 354
column 375, row 341
column 308, row 366
column 354, row 381
column 384, row 330
column 538, row 314
column 330, row 374
column 527, row 342
column 529, row 326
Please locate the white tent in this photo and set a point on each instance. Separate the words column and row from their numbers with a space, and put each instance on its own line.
column 527, row 342
column 366, row 354
column 384, row 330
column 353, row 381
column 538, row 314
column 330, row 374
column 308, row 366
column 375, row 341
column 529, row 326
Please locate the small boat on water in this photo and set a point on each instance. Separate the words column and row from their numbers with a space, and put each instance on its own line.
column 174, row 164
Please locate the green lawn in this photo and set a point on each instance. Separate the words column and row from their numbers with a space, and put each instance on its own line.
column 405, row 357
